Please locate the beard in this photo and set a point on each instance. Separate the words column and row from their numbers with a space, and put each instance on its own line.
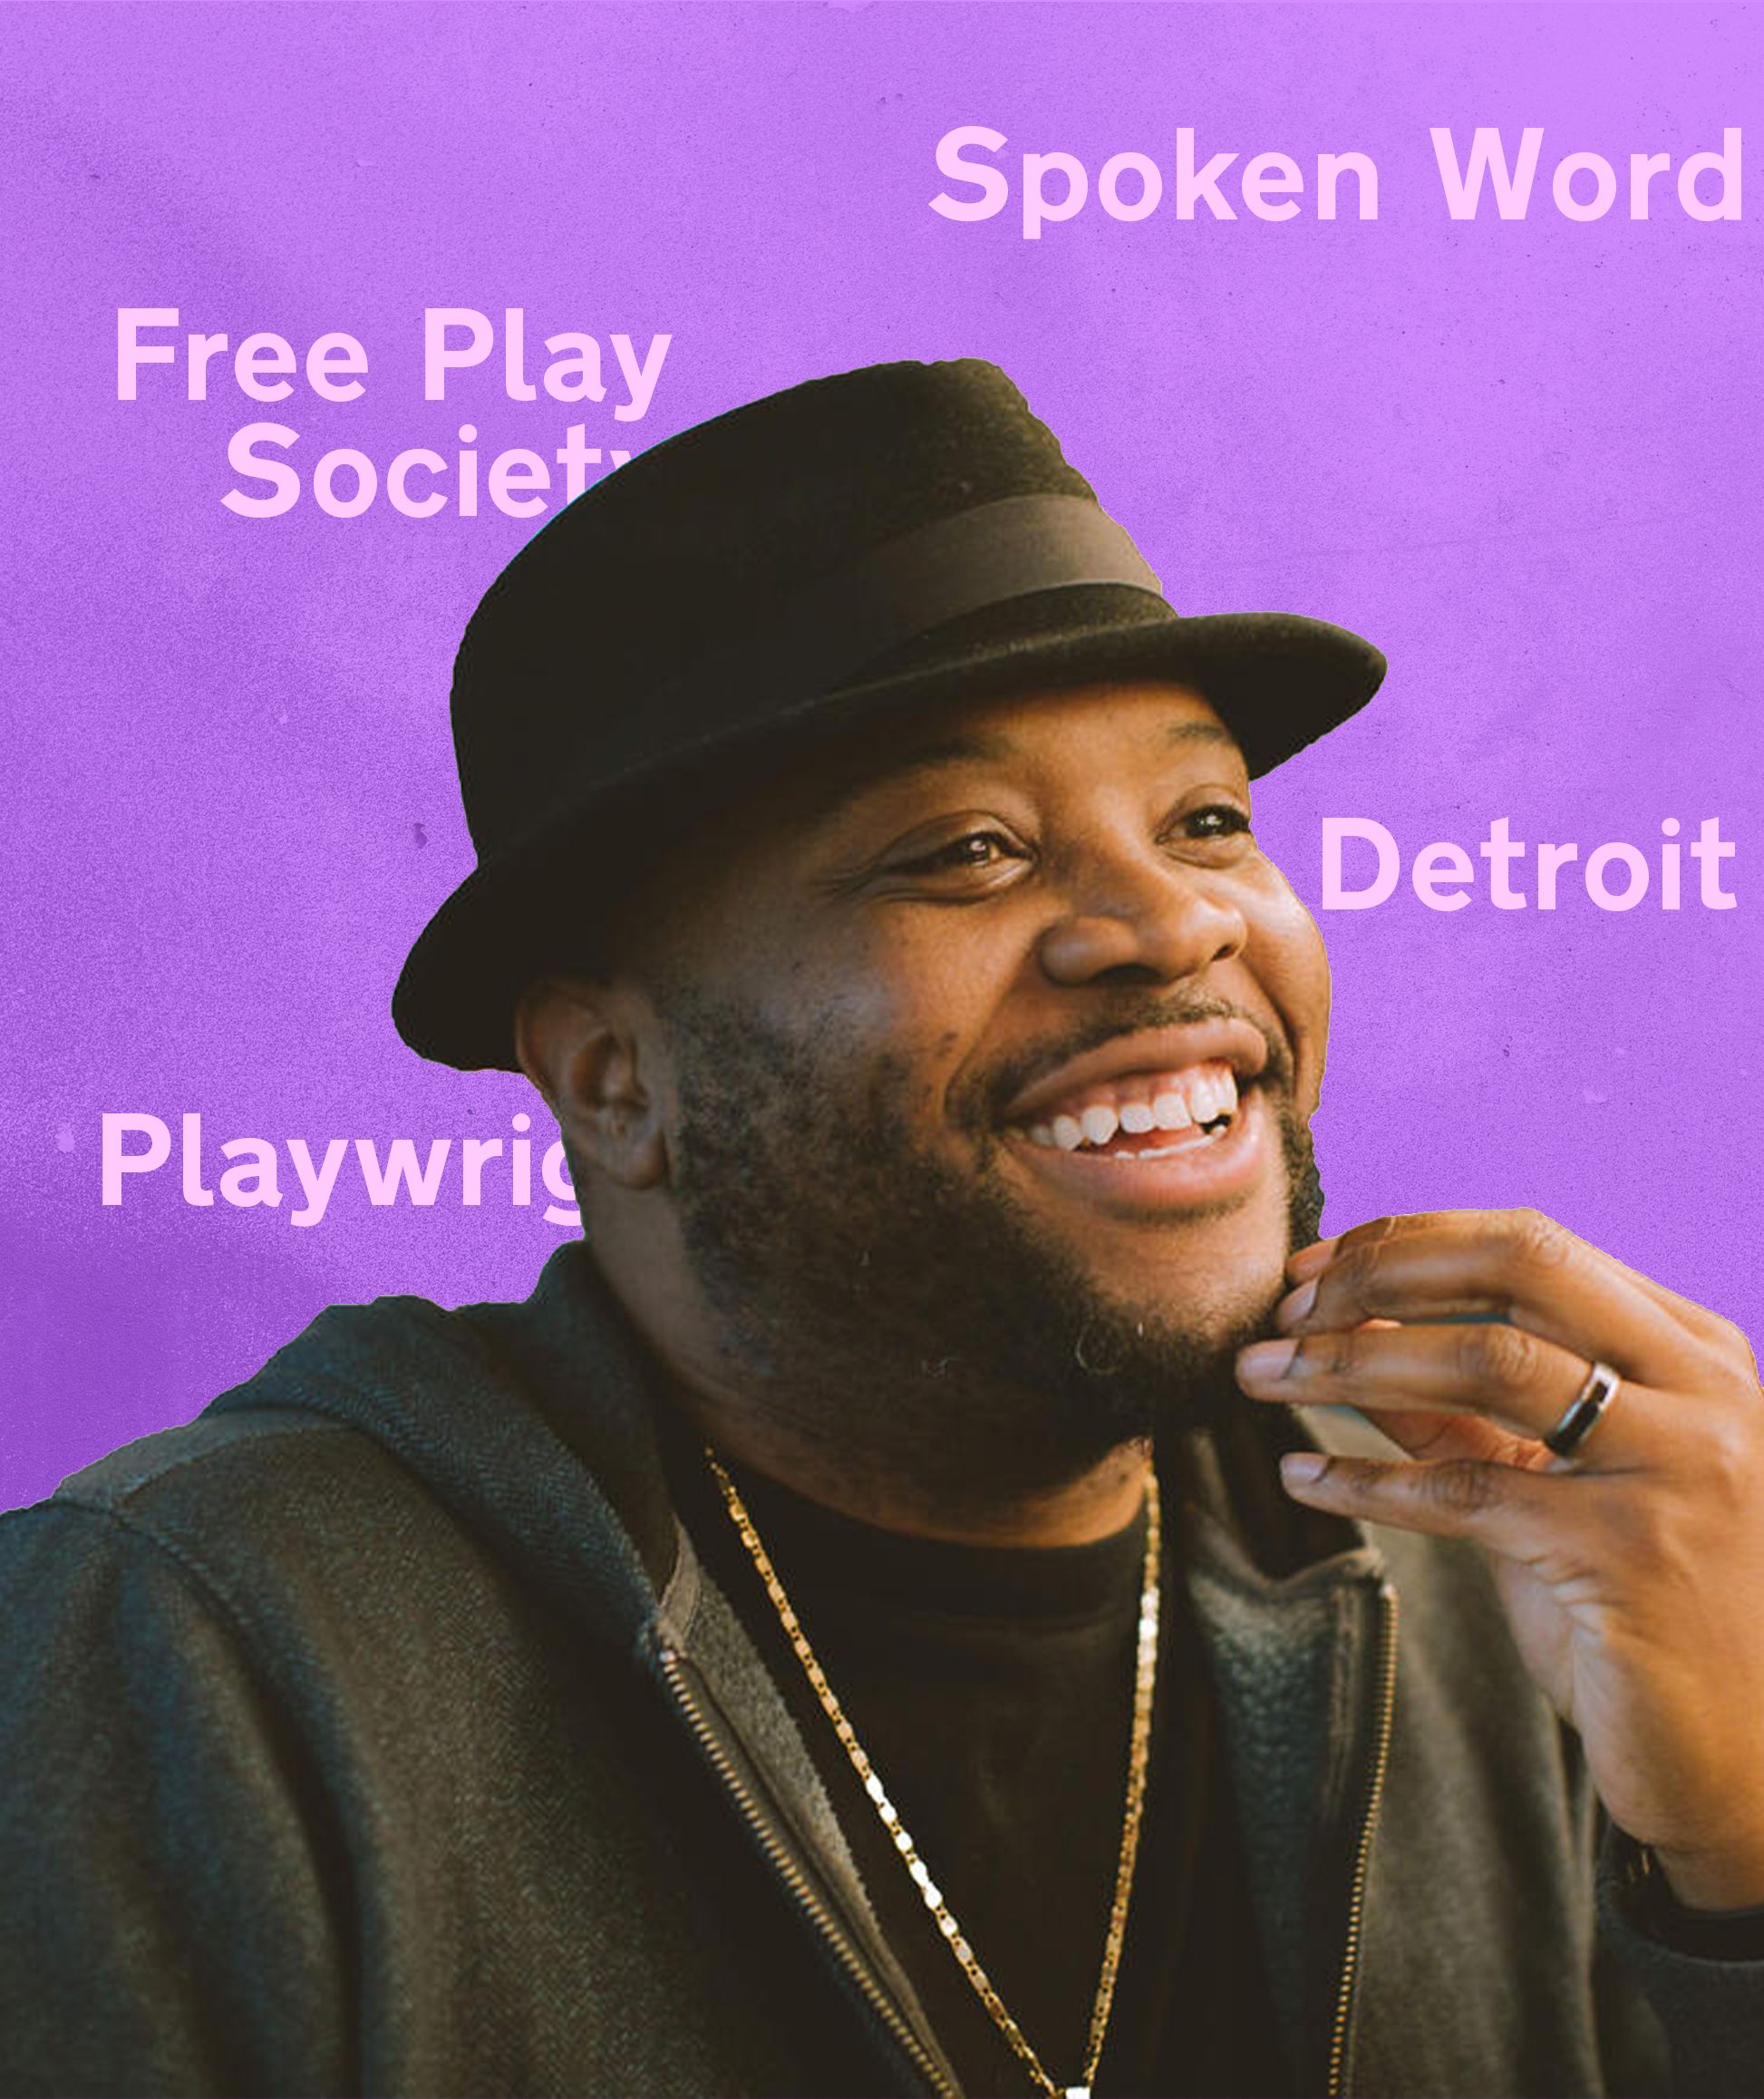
column 914, row 1323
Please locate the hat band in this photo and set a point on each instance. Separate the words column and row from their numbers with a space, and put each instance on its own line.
column 943, row 571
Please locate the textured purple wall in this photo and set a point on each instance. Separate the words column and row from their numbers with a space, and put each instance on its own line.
column 1522, row 456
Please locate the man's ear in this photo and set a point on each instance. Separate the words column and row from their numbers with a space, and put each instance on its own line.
column 594, row 1051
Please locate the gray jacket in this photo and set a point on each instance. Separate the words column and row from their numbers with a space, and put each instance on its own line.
column 381, row 1731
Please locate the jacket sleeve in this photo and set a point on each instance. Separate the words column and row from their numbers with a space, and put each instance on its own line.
column 1712, row 2009
column 164, row 1921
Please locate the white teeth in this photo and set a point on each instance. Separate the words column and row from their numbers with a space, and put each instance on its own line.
column 1189, row 1099
column 1099, row 1125
column 1212, row 1094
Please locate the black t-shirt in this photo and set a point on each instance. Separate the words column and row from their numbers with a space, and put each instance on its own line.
column 991, row 1689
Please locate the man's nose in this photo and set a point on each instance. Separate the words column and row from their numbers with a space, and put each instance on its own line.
column 1141, row 920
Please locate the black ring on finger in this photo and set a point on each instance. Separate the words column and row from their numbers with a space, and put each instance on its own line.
column 1586, row 1410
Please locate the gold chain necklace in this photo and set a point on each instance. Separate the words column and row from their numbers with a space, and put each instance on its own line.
column 1138, row 1757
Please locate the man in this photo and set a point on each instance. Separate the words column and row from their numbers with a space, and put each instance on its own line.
column 880, row 1619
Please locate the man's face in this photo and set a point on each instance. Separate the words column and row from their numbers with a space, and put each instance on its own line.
column 992, row 1056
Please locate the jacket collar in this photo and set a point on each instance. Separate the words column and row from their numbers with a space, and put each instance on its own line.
column 536, row 1424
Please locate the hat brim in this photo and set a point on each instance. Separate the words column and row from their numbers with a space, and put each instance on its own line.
column 1277, row 680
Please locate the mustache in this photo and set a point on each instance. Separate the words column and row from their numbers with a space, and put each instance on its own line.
column 983, row 1101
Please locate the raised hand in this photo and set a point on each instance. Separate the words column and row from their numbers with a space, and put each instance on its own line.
column 1632, row 1568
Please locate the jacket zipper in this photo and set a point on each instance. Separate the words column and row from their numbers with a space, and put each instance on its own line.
column 1387, row 1701
column 778, row 1855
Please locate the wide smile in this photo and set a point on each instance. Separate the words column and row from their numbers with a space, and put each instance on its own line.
column 1194, row 1136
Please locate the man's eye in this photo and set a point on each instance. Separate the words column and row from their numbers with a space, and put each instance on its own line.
column 979, row 850
column 1216, row 819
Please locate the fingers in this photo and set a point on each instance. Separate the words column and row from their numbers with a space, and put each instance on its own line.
column 1432, row 1437
column 1517, row 1266
column 1513, row 1379
column 1494, row 1504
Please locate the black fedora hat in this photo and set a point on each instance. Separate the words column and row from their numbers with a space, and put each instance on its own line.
column 899, row 538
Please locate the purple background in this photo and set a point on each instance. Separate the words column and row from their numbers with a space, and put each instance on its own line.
column 1523, row 458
